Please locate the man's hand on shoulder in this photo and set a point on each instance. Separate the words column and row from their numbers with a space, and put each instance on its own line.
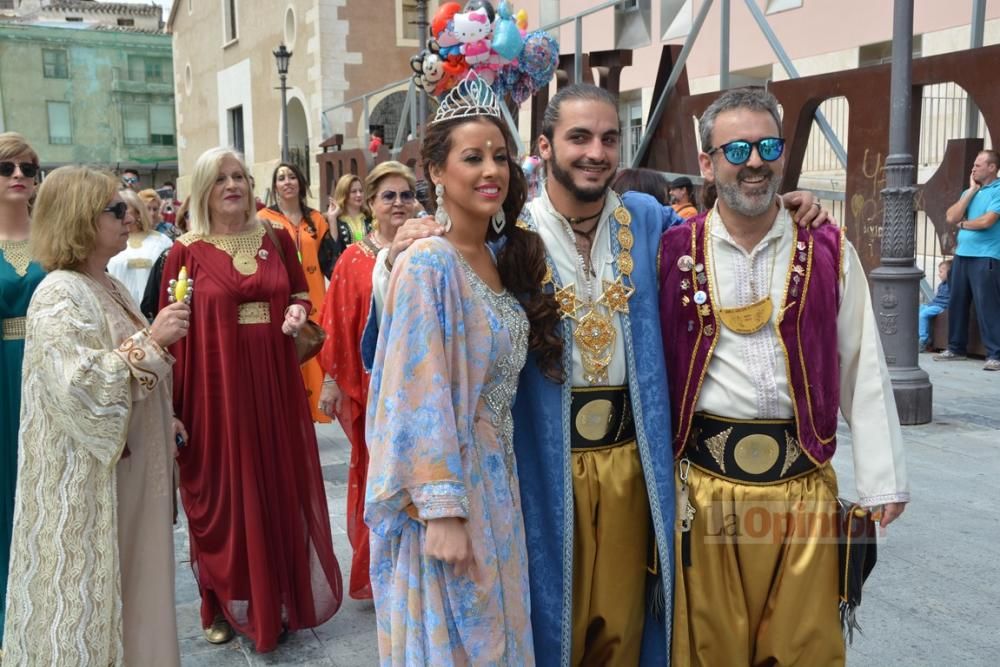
column 413, row 229
column 806, row 209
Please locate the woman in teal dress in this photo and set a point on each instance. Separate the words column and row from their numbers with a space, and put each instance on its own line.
column 19, row 276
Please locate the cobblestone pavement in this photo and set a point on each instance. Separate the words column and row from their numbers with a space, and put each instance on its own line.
column 346, row 640
column 930, row 601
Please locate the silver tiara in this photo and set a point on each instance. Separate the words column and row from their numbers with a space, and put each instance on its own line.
column 469, row 97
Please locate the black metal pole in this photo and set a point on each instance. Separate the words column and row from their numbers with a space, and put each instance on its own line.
column 896, row 282
column 284, row 120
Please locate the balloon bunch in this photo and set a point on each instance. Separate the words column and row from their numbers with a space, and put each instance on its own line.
column 531, row 165
column 493, row 43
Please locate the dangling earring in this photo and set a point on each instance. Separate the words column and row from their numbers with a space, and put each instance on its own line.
column 499, row 221
column 440, row 214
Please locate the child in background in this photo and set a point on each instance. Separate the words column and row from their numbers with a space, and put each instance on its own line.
column 928, row 311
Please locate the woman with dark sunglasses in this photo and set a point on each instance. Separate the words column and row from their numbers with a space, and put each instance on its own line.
column 390, row 191
column 134, row 264
column 92, row 554
column 19, row 276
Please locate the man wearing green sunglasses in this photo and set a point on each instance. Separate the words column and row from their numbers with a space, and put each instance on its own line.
column 768, row 334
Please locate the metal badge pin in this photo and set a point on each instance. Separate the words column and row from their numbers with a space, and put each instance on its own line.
column 685, row 263
column 700, row 297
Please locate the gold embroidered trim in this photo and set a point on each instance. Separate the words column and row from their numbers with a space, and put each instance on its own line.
column 254, row 312
column 241, row 247
column 15, row 328
column 134, row 356
column 717, row 447
column 792, row 452
column 369, row 246
column 702, row 329
column 139, row 263
column 16, row 254
column 136, row 240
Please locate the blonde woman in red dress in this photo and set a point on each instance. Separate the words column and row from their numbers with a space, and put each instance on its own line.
column 250, row 476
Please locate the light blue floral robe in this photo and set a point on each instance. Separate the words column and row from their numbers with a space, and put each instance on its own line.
column 440, row 436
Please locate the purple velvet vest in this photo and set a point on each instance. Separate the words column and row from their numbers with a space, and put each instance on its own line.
column 806, row 324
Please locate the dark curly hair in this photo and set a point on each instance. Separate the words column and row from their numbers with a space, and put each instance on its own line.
column 303, row 192
column 521, row 262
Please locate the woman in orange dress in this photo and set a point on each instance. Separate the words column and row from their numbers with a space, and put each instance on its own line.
column 390, row 191
column 311, row 234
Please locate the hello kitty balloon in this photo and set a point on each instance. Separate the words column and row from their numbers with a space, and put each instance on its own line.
column 473, row 29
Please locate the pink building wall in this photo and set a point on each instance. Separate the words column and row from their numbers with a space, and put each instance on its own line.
column 818, row 27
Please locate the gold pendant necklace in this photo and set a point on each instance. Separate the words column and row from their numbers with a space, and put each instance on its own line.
column 748, row 319
column 595, row 333
column 753, row 317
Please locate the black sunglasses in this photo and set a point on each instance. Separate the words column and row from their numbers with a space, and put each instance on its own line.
column 389, row 197
column 738, row 152
column 118, row 210
column 28, row 169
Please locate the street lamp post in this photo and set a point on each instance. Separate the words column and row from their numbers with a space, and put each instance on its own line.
column 282, row 55
column 896, row 282
column 421, row 37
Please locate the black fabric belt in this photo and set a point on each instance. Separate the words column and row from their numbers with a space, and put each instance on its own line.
column 601, row 417
column 749, row 451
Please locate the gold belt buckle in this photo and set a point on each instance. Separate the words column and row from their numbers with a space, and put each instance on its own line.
column 756, row 453
column 593, row 420
column 254, row 312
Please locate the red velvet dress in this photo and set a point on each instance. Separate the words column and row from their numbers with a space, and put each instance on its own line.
column 345, row 311
column 250, row 476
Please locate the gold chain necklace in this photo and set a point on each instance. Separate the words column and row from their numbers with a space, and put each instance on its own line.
column 744, row 320
column 595, row 333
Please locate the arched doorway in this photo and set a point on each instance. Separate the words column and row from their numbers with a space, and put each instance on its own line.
column 298, row 135
column 385, row 116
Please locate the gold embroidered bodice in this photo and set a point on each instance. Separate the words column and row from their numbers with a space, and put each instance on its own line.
column 16, row 254
column 243, row 247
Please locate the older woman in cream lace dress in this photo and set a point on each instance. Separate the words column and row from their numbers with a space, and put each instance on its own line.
column 91, row 568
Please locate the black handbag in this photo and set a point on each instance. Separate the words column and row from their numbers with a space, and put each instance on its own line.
column 858, row 548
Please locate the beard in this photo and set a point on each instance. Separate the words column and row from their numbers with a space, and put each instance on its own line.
column 565, row 179
column 755, row 203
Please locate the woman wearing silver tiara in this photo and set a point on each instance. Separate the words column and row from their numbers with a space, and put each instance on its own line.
column 449, row 566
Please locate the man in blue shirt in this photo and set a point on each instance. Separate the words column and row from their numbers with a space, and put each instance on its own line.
column 975, row 273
